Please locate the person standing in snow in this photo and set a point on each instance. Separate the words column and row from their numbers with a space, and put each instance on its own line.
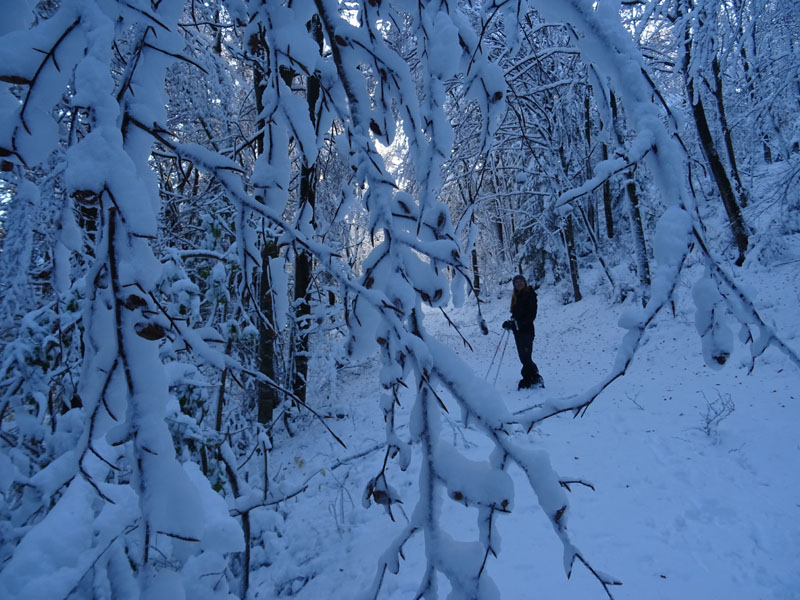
column 524, row 305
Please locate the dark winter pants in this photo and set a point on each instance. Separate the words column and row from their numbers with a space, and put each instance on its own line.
column 524, row 343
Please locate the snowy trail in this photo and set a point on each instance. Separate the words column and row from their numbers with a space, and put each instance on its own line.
column 677, row 513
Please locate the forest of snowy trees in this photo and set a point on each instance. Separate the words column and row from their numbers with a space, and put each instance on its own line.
column 210, row 207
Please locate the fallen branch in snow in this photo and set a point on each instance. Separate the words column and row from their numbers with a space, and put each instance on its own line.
column 348, row 459
column 245, row 505
column 605, row 580
column 566, row 483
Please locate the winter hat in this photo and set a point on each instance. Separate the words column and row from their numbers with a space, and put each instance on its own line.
column 516, row 277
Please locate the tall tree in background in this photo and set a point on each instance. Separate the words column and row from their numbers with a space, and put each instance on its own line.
column 702, row 19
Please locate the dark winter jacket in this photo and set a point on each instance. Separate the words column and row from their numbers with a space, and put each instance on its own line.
column 523, row 309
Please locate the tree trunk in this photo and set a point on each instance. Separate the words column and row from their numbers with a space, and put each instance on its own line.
column 501, row 239
column 637, row 228
column 642, row 262
column 476, row 277
column 727, row 133
column 724, row 186
column 569, row 238
column 267, row 396
column 302, row 296
column 595, row 246
column 302, row 272
column 748, row 75
column 718, row 171
column 587, row 132
column 607, row 201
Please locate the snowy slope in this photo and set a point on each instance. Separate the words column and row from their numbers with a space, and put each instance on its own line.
column 681, row 510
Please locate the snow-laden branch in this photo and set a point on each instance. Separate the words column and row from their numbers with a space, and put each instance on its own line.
column 122, row 390
column 483, row 486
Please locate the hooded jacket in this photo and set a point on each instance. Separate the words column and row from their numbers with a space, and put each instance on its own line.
column 523, row 309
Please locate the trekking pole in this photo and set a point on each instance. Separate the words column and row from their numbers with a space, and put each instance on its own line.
column 496, row 350
column 502, row 354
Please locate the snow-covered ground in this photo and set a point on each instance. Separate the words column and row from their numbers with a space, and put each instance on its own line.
column 683, row 508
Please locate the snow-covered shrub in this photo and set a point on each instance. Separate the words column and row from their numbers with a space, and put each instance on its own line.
column 714, row 412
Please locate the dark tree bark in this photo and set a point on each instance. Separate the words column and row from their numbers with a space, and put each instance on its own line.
column 642, row 262
column 476, row 277
column 569, row 239
column 303, row 266
column 501, row 240
column 721, row 179
column 302, row 284
column 609, row 215
column 727, row 133
column 590, row 213
column 718, row 171
column 267, row 396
